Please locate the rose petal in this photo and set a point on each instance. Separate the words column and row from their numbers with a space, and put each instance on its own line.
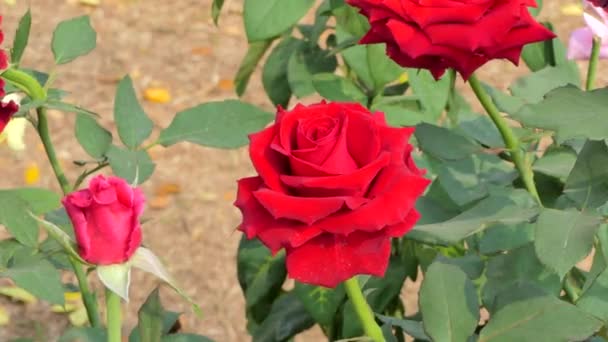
column 304, row 209
column 328, row 260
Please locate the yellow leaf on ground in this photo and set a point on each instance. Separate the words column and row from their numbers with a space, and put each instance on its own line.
column 5, row 318
column 572, row 9
column 79, row 317
column 202, row 51
column 226, row 85
column 31, row 174
column 403, row 78
column 93, row 3
column 168, row 189
column 157, row 95
column 159, row 202
column 17, row 293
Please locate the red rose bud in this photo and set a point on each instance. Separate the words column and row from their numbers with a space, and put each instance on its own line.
column 463, row 34
column 7, row 110
column 106, row 220
column 335, row 185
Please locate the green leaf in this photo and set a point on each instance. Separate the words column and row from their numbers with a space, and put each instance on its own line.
column 22, row 37
column 133, row 125
column 256, row 51
column 505, row 237
column 561, row 106
column 287, row 318
column 37, row 276
column 73, row 38
column 68, row 108
column 539, row 319
column 493, row 209
column 15, row 206
column 556, row 162
column 169, row 320
column 448, row 317
column 133, row 166
column 351, row 21
column 185, row 338
column 518, row 266
column 270, row 18
column 151, row 315
column 216, row 124
column 303, row 64
column 93, row 138
column 216, row 9
column 563, row 238
column 274, row 74
column 433, row 94
column 371, row 64
column 594, row 299
column 260, row 274
column 433, row 140
column 337, row 88
column 532, row 88
column 410, row 327
column 116, row 278
column 322, row 303
column 84, row 335
column 587, row 184
column 40, row 201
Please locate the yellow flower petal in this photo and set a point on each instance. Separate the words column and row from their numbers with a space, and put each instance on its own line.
column 14, row 134
column 157, row 95
column 572, row 9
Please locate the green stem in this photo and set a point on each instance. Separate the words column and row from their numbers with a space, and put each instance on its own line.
column 33, row 89
column 593, row 61
column 364, row 312
column 512, row 143
column 114, row 316
column 90, row 302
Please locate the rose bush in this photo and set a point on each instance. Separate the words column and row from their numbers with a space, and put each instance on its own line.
column 335, row 185
column 463, row 35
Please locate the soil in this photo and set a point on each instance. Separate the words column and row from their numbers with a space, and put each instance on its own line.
column 176, row 46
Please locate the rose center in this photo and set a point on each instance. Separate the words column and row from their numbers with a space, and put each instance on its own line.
column 317, row 130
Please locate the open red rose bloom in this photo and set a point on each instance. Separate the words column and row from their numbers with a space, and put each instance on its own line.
column 335, row 185
column 7, row 109
column 459, row 34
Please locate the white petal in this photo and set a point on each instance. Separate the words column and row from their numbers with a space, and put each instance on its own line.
column 598, row 27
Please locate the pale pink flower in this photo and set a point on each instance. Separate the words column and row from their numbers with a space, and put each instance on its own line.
column 581, row 40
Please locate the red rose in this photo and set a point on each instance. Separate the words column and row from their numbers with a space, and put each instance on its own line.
column 600, row 3
column 7, row 110
column 106, row 220
column 459, row 34
column 335, row 185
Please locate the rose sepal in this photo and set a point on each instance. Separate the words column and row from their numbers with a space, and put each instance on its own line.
column 62, row 238
column 117, row 277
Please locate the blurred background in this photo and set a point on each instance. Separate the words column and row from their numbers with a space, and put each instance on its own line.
column 177, row 58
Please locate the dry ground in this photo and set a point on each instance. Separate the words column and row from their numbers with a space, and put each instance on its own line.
column 172, row 44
